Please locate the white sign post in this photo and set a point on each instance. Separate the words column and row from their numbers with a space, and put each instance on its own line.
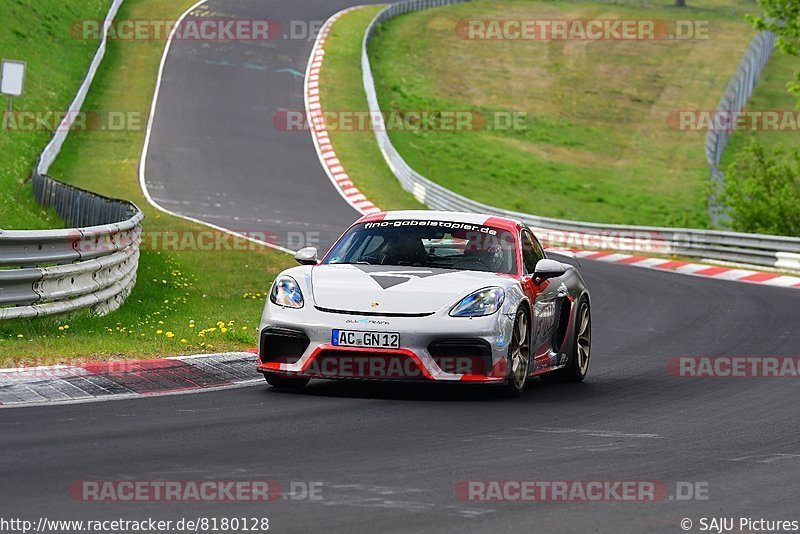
column 12, row 82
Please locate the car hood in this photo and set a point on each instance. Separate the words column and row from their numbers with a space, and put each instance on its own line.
column 393, row 290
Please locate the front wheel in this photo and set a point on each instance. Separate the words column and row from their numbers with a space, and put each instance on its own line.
column 578, row 363
column 285, row 382
column 519, row 356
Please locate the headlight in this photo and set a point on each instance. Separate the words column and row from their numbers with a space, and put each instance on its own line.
column 286, row 292
column 483, row 302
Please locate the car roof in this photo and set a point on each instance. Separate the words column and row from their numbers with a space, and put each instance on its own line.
column 450, row 216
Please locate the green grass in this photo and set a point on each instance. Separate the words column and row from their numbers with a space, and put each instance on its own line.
column 180, row 289
column 38, row 32
column 175, row 290
column 596, row 145
column 770, row 95
column 341, row 90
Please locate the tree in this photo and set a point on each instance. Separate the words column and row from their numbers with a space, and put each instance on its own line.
column 782, row 17
column 680, row 3
column 762, row 193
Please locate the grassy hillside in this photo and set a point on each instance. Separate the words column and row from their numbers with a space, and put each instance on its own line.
column 596, row 144
column 185, row 301
column 38, row 32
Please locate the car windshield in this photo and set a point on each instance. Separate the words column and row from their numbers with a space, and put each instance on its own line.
column 422, row 243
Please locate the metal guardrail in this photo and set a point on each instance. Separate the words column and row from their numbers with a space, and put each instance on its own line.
column 56, row 271
column 757, row 249
column 52, row 149
column 89, row 267
column 739, row 90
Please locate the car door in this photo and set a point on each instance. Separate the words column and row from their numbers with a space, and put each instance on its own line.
column 544, row 297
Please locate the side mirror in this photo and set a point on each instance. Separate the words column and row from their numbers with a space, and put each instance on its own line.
column 307, row 256
column 546, row 269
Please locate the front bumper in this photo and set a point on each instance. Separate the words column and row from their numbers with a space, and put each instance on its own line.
column 297, row 342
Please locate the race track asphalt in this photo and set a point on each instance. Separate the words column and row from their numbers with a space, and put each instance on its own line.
column 215, row 151
column 389, row 456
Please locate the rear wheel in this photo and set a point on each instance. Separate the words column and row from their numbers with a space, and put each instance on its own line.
column 578, row 363
column 519, row 355
column 285, row 382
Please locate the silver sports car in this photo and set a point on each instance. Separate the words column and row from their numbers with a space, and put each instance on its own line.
column 428, row 296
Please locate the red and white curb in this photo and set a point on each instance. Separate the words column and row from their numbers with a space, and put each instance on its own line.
column 319, row 132
column 693, row 269
column 63, row 384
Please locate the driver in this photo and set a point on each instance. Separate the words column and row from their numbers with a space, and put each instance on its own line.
column 405, row 249
column 486, row 251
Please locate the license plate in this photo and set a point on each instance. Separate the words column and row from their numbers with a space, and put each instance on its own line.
column 355, row 338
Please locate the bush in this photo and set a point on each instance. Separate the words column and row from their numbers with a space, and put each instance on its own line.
column 762, row 191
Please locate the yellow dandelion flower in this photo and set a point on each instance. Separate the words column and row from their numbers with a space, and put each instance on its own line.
column 159, row 331
column 170, row 335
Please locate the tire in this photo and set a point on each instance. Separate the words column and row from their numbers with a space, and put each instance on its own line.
column 286, row 382
column 519, row 355
column 578, row 362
